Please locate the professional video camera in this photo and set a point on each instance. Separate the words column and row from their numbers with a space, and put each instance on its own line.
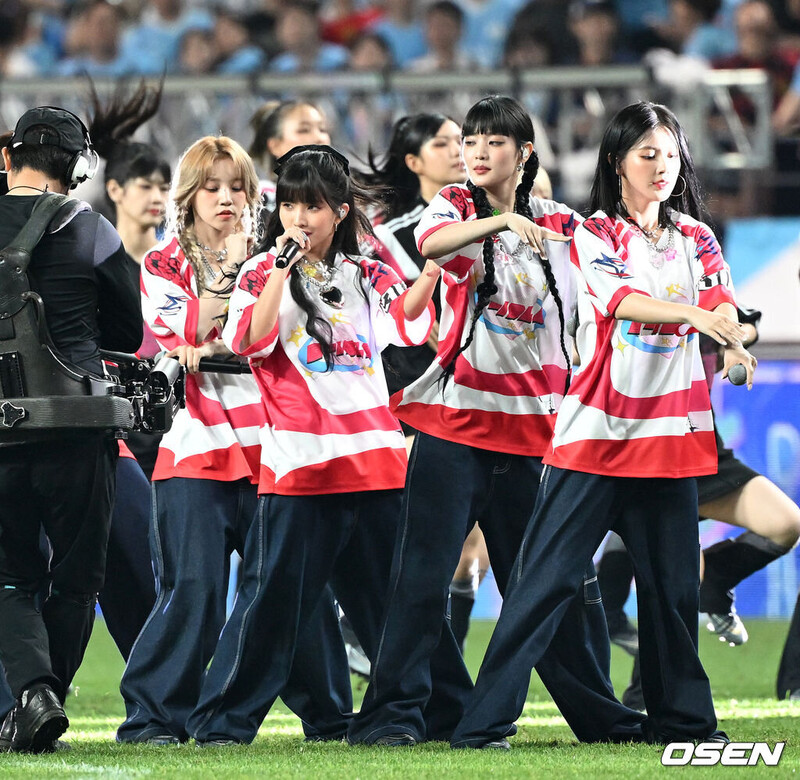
column 154, row 388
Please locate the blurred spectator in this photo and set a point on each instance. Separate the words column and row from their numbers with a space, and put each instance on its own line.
column 153, row 45
column 94, row 41
column 487, row 25
column 695, row 28
column 345, row 20
column 595, row 27
column 444, row 27
column 15, row 60
column 370, row 51
column 401, row 27
column 235, row 51
column 198, row 53
column 787, row 17
column 365, row 117
column 640, row 22
column 302, row 49
column 757, row 35
column 786, row 119
column 531, row 46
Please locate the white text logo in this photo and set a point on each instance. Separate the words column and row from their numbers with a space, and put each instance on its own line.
column 732, row 754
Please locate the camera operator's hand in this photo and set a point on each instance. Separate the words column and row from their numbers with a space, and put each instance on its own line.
column 190, row 356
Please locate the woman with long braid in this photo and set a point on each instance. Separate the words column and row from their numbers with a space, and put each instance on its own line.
column 633, row 432
column 485, row 411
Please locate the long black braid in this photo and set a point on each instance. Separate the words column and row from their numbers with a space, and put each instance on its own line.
column 487, row 287
column 522, row 205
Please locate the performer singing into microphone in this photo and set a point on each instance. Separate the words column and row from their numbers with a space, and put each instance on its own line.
column 204, row 495
column 333, row 455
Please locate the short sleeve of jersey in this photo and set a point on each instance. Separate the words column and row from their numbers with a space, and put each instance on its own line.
column 451, row 205
column 250, row 283
column 715, row 286
column 386, row 297
column 608, row 277
column 170, row 305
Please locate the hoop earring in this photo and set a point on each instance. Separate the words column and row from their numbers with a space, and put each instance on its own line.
column 519, row 167
column 683, row 191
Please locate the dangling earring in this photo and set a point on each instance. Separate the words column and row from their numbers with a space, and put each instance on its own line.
column 679, row 194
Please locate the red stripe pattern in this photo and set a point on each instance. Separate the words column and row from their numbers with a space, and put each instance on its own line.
column 638, row 405
column 327, row 431
column 508, row 384
column 216, row 435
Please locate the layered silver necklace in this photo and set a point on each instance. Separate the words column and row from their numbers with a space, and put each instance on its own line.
column 218, row 254
column 659, row 250
column 320, row 276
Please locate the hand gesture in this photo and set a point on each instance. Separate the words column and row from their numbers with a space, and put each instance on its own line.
column 530, row 233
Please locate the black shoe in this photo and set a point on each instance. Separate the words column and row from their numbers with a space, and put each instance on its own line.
column 218, row 743
column 7, row 732
column 160, row 740
column 395, row 740
column 717, row 736
column 40, row 720
column 495, row 744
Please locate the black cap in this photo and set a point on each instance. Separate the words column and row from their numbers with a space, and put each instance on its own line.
column 55, row 127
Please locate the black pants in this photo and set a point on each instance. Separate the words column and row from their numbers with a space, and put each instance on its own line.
column 66, row 488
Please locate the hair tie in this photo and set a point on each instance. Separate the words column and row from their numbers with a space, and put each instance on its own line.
column 321, row 148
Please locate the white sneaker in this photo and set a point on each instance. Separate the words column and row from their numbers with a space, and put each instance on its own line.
column 729, row 628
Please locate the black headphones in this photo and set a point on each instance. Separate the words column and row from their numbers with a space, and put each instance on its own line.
column 84, row 163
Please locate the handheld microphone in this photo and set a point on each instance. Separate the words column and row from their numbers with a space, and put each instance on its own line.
column 286, row 255
column 737, row 375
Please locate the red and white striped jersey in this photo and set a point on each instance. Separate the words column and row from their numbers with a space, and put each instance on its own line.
column 216, row 435
column 509, row 382
column 638, row 405
column 327, row 431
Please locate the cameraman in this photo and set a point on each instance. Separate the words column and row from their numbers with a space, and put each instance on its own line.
column 61, row 483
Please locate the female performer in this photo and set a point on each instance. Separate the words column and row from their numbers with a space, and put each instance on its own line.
column 485, row 411
column 634, row 431
column 312, row 316
column 204, row 495
column 280, row 126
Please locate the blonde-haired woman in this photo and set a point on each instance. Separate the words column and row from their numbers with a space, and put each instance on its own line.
column 204, row 481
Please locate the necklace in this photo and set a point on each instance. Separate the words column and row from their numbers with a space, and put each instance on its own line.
column 218, row 255
column 320, row 276
column 656, row 253
column 27, row 187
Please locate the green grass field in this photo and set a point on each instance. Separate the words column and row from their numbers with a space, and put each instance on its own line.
column 742, row 679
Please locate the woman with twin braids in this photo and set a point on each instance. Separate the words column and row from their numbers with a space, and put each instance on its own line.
column 485, row 411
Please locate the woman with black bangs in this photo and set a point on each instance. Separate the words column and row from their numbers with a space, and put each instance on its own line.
column 633, row 432
column 485, row 411
column 312, row 315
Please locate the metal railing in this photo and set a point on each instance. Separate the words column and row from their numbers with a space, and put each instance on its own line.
column 572, row 105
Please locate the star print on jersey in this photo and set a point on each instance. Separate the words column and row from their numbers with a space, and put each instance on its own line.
column 174, row 303
column 612, row 266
